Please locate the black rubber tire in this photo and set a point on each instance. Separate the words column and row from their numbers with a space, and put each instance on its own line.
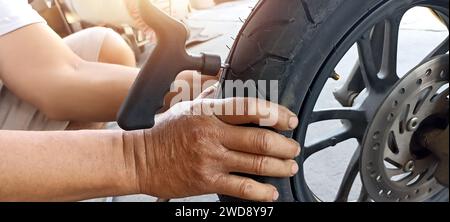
column 293, row 41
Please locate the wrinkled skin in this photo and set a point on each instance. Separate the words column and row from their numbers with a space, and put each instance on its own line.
column 180, row 162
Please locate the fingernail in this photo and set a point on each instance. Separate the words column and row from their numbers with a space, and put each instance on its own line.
column 298, row 152
column 276, row 195
column 293, row 122
column 295, row 168
column 299, row 149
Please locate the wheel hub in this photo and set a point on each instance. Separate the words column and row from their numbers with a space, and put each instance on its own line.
column 394, row 167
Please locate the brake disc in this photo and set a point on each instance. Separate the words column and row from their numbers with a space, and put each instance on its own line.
column 393, row 166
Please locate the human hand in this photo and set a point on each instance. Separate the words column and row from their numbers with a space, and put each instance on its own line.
column 187, row 154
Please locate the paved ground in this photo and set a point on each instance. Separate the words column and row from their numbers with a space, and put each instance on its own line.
column 325, row 170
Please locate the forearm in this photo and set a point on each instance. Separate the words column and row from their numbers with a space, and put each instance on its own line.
column 94, row 92
column 59, row 83
column 64, row 166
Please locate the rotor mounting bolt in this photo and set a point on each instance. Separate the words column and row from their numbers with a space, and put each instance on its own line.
column 413, row 124
column 409, row 166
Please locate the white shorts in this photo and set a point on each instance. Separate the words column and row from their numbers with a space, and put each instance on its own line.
column 16, row 114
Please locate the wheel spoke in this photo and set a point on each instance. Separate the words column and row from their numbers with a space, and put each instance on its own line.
column 352, row 115
column 355, row 119
column 339, row 137
column 378, row 54
column 367, row 61
column 443, row 17
column 349, row 177
column 390, row 50
column 363, row 196
column 439, row 50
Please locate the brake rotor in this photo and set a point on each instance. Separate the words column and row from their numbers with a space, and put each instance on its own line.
column 393, row 166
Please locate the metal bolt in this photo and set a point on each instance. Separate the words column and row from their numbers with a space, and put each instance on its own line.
column 409, row 166
column 335, row 76
column 413, row 124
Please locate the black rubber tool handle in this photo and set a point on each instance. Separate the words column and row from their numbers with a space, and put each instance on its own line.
column 169, row 58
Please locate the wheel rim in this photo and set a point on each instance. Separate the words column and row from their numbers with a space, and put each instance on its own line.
column 377, row 48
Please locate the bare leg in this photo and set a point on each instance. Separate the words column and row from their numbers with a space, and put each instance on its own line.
column 116, row 51
column 113, row 50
